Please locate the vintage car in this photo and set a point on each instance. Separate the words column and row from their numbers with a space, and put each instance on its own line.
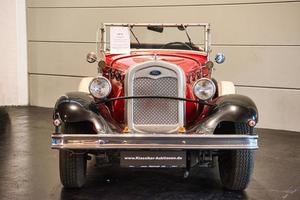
column 155, row 105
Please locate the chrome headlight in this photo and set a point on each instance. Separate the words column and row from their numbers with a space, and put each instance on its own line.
column 100, row 87
column 204, row 89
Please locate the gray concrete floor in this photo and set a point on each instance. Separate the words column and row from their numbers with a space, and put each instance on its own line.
column 29, row 168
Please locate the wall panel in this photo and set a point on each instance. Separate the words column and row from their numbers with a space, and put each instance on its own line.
column 278, row 108
column 45, row 90
column 262, row 24
column 267, row 66
column 245, row 65
column 60, row 58
column 144, row 3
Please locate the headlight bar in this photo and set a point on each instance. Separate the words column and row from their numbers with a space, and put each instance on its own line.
column 154, row 97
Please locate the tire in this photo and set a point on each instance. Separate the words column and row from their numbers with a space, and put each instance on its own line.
column 72, row 169
column 236, row 166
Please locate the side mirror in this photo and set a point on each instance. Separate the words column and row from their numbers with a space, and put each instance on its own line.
column 91, row 57
column 220, row 58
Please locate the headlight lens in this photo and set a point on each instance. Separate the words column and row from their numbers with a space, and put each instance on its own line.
column 204, row 89
column 100, row 87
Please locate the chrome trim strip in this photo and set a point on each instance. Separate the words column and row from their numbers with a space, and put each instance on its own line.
column 171, row 50
column 153, row 141
column 156, row 24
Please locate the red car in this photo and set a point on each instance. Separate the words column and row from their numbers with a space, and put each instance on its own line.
column 155, row 104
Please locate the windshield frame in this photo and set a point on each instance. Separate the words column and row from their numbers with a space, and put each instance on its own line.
column 101, row 33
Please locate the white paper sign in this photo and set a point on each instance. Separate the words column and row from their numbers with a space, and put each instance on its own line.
column 119, row 40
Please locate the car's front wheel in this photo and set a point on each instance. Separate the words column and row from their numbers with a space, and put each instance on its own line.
column 72, row 167
column 236, row 166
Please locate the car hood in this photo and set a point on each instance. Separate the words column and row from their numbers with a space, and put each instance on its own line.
column 187, row 61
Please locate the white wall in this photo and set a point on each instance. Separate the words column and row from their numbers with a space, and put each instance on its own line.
column 13, row 48
column 259, row 37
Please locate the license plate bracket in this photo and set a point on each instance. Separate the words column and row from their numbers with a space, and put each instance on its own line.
column 153, row 159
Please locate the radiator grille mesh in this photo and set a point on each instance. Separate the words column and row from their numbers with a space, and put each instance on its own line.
column 155, row 111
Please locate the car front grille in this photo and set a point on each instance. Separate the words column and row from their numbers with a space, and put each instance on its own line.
column 153, row 115
column 155, row 111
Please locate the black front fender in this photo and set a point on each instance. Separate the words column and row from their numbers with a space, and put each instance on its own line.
column 78, row 107
column 232, row 108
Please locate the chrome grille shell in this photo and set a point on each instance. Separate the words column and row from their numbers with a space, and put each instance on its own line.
column 155, row 115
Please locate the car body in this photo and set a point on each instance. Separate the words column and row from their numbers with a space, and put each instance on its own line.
column 157, row 106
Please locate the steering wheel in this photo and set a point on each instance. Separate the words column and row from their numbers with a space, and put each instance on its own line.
column 176, row 43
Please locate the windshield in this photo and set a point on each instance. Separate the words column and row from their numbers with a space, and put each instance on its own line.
column 154, row 36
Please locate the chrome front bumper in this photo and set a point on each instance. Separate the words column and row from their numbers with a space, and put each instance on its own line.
column 152, row 141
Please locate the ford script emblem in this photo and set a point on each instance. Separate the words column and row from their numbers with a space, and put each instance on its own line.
column 155, row 73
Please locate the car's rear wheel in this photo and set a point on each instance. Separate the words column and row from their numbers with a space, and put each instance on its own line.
column 236, row 166
column 72, row 167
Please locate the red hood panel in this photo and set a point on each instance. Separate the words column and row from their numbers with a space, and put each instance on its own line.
column 191, row 62
column 187, row 61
